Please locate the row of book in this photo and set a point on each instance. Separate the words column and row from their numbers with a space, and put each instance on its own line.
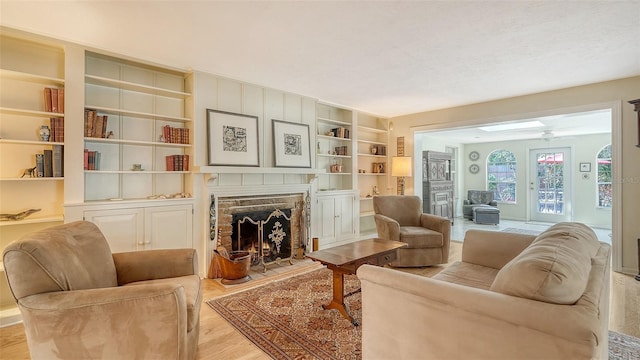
column 377, row 149
column 341, row 150
column 91, row 160
column 341, row 132
column 56, row 128
column 50, row 163
column 177, row 162
column 95, row 125
column 54, row 100
column 174, row 135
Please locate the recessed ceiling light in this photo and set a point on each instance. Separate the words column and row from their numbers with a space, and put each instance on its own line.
column 512, row 126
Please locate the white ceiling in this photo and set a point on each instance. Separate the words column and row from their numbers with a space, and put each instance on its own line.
column 384, row 57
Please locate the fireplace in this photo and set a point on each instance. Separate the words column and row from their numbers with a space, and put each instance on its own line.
column 270, row 227
column 266, row 235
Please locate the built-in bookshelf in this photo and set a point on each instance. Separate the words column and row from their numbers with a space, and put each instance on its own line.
column 334, row 148
column 137, row 136
column 29, row 71
column 373, row 166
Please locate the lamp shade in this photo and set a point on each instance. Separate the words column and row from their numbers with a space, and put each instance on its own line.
column 401, row 166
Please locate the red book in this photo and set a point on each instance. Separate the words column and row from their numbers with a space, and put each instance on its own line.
column 186, row 163
column 61, row 101
column 54, row 100
column 169, row 162
column 47, row 99
column 86, row 159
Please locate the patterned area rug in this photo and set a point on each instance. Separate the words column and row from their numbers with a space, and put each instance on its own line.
column 286, row 320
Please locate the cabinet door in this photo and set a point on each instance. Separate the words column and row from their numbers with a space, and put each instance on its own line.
column 168, row 227
column 327, row 230
column 123, row 228
column 344, row 217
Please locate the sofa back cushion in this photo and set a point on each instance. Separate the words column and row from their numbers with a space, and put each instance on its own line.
column 72, row 256
column 405, row 209
column 480, row 197
column 554, row 268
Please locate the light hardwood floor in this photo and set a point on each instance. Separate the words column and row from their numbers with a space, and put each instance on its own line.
column 220, row 340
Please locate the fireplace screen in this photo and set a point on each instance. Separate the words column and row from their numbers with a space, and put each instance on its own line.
column 265, row 234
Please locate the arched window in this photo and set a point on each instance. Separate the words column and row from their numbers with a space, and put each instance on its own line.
column 501, row 175
column 605, row 193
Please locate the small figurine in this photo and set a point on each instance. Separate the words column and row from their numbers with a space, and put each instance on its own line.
column 375, row 190
column 110, row 135
column 31, row 172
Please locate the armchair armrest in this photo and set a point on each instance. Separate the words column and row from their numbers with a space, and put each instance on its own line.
column 493, row 248
column 149, row 320
column 436, row 223
column 155, row 264
column 466, row 202
column 387, row 228
column 493, row 203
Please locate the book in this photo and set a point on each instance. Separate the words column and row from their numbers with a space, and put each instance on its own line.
column 103, row 134
column 39, row 165
column 169, row 163
column 48, row 163
column 58, row 161
column 86, row 159
column 47, row 100
column 54, row 100
column 61, row 101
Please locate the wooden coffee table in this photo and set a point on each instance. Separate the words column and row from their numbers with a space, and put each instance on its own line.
column 346, row 259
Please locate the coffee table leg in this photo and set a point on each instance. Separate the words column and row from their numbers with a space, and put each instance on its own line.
column 338, row 297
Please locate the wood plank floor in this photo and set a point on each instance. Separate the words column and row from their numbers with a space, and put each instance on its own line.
column 220, row 340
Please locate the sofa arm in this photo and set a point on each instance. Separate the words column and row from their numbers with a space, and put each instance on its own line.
column 398, row 309
column 148, row 320
column 155, row 264
column 493, row 248
column 387, row 228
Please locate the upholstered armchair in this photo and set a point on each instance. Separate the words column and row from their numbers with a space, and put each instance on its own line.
column 400, row 218
column 80, row 301
column 477, row 198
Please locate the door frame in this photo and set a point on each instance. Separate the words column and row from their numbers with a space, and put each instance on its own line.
column 616, row 153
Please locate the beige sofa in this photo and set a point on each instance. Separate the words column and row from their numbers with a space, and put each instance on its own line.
column 512, row 296
column 80, row 301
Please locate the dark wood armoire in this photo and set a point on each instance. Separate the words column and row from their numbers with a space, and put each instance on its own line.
column 437, row 184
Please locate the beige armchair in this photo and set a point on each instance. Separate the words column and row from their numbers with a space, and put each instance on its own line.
column 80, row 301
column 400, row 218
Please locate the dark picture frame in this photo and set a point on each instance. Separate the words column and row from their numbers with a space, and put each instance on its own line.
column 291, row 144
column 232, row 139
column 585, row 167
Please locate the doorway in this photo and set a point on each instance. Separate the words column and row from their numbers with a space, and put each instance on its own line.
column 550, row 184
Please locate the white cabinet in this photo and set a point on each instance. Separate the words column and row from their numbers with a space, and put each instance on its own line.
column 145, row 228
column 336, row 218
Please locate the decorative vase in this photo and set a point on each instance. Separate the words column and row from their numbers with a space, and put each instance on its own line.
column 44, row 133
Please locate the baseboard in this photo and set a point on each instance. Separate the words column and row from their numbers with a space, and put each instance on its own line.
column 10, row 317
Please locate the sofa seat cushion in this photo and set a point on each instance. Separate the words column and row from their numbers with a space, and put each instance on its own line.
column 554, row 268
column 418, row 237
column 467, row 274
column 193, row 292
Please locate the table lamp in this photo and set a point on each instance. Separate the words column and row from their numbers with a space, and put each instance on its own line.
column 401, row 167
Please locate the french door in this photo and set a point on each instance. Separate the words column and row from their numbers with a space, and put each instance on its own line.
column 550, row 184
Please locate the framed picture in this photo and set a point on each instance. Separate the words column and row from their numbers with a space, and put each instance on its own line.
column 232, row 139
column 291, row 144
column 585, row 167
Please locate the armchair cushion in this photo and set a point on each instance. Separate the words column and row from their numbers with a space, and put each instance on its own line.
column 418, row 237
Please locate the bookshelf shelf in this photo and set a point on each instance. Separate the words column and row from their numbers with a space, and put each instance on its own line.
column 141, row 172
column 373, row 156
column 126, row 85
column 135, row 142
column 372, row 129
column 333, row 121
column 371, row 142
column 335, row 156
column 29, row 112
column 32, row 220
column 33, row 179
column 138, row 114
column 29, row 142
column 35, row 78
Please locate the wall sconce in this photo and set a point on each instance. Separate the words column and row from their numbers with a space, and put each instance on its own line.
column 401, row 167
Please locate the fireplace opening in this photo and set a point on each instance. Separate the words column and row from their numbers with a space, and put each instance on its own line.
column 266, row 235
